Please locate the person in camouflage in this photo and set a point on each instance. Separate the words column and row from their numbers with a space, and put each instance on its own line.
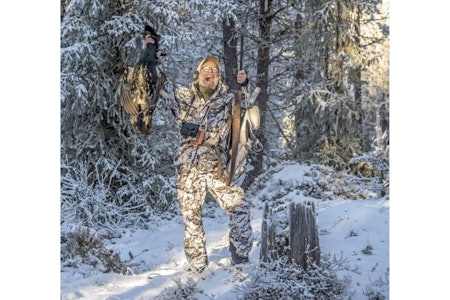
column 204, row 112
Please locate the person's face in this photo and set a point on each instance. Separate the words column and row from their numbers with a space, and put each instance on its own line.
column 209, row 75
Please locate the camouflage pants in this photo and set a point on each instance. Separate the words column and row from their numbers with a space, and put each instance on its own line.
column 192, row 187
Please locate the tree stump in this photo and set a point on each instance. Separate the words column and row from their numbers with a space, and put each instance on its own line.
column 264, row 249
column 296, row 239
column 303, row 234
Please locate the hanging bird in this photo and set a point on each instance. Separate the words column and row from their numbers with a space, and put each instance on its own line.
column 139, row 96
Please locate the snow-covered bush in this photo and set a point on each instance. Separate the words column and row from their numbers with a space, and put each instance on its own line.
column 378, row 288
column 87, row 199
column 182, row 291
column 317, row 182
column 281, row 279
column 372, row 165
column 82, row 247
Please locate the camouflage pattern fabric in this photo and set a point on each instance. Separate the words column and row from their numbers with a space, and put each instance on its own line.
column 192, row 187
column 197, row 173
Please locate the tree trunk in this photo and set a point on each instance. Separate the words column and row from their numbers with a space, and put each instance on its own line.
column 262, row 81
column 364, row 137
column 264, row 249
column 230, row 52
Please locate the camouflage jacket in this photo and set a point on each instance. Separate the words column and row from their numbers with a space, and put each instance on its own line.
column 212, row 116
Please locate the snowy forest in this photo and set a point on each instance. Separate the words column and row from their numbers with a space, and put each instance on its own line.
column 322, row 67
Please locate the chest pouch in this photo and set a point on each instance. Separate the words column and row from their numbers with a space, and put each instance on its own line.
column 189, row 129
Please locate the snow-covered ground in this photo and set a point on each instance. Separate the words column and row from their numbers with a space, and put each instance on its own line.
column 354, row 231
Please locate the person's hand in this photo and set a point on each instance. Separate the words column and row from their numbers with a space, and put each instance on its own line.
column 241, row 77
column 148, row 40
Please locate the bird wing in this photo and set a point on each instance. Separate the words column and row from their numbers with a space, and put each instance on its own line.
column 127, row 99
column 136, row 90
